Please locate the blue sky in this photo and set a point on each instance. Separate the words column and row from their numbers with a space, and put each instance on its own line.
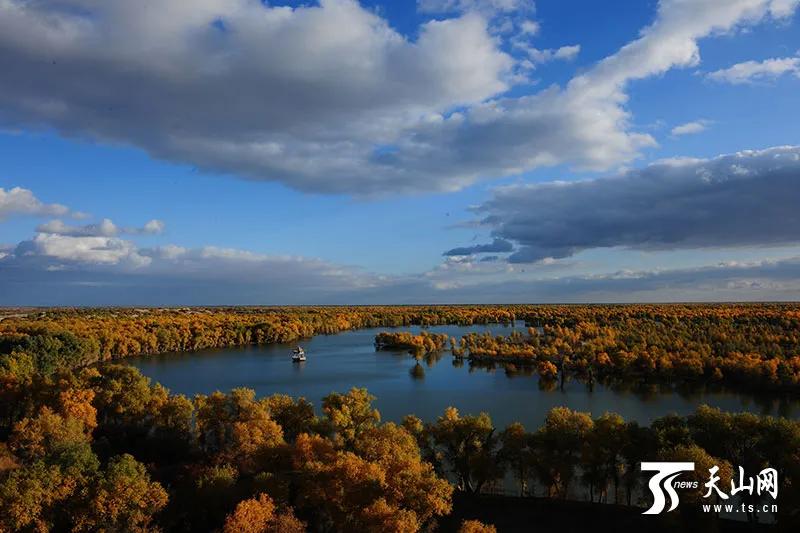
column 335, row 152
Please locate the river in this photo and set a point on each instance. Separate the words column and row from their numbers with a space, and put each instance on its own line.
column 339, row 362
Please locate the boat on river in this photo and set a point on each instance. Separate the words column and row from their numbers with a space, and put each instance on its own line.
column 298, row 355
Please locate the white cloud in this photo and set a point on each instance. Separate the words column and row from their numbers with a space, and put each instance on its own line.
column 309, row 93
column 529, row 28
column 482, row 6
column 19, row 201
column 690, row 128
column 94, row 250
column 567, row 53
column 106, row 228
column 151, row 227
column 329, row 98
column 755, row 71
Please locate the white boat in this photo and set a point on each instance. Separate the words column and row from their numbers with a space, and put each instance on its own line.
column 298, row 355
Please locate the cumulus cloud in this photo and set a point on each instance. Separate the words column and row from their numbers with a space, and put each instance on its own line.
column 329, row 98
column 755, row 71
column 310, row 93
column 153, row 227
column 690, row 128
column 105, row 228
column 741, row 199
column 19, row 201
column 537, row 56
column 529, row 27
column 57, row 251
column 483, row 6
column 496, row 246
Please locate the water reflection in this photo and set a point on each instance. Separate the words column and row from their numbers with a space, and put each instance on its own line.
column 417, row 372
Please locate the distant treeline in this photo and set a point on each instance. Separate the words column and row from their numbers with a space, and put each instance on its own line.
column 102, row 449
column 754, row 345
column 45, row 341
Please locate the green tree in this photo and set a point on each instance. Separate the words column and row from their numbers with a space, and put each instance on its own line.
column 515, row 453
column 122, row 499
column 559, row 446
column 468, row 446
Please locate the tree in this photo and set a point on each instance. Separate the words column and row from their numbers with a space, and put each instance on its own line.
column 410, row 482
column 704, row 467
column 335, row 486
column 122, row 499
column 380, row 517
column 214, row 493
column 515, row 453
column 350, row 414
column 77, row 404
column 32, row 498
column 294, row 416
column 476, row 526
column 259, row 515
column 54, row 439
column 123, row 395
column 468, row 447
column 558, row 448
column 603, row 456
column 638, row 444
column 672, row 431
column 237, row 429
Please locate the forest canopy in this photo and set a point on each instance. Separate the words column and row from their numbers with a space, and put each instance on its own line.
column 105, row 449
column 87, row 444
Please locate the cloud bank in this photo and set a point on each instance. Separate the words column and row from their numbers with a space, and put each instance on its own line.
column 496, row 246
column 742, row 199
column 102, row 264
column 105, row 228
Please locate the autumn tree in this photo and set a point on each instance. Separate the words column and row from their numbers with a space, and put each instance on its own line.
column 559, row 447
column 34, row 497
column 411, row 483
column 468, row 446
column 122, row 498
column 295, row 416
column 602, row 458
column 516, row 454
column 350, row 414
column 476, row 526
column 259, row 515
column 237, row 429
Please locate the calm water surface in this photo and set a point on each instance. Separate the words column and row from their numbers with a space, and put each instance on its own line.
column 339, row 362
